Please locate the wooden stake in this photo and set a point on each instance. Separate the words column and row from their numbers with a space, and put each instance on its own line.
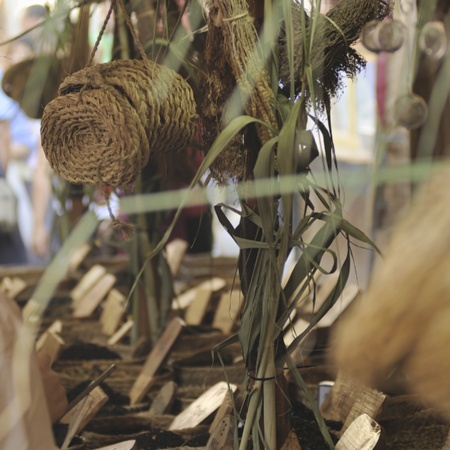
column 196, row 311
column 92, row 299
column 83, row 413
column 164, row 399
column 175, row 251
column 12, row 287
column 228, row 311
column 113, row 311
column 222, row 434
column 186, row 298
column 155, row 359
column 203, row 407
column 121, row 332
column 51, row 344
column 87, row 282
column 226, row 408
column 78, row 257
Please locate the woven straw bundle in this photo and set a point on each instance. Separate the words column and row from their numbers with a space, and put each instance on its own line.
column 234, row 57
column 108, row 118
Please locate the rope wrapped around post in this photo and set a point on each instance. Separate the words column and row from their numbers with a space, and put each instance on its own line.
column 109, row 118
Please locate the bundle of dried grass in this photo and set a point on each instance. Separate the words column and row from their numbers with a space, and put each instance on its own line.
column 403, row 323
column 331, row 57
column 233, row 58
column 109, row 117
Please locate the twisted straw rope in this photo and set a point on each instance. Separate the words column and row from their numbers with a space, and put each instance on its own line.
column 241, row 50
column 108, row 118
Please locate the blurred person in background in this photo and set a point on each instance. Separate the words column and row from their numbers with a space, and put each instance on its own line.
column 22, row 161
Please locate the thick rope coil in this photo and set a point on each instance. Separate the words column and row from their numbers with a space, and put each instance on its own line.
column 108, row 118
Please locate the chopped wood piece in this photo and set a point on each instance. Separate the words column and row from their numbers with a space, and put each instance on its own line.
column 348, row 399
column 175, row 251
column 55, row 328
column 155, row 359
column 121, row 332
column 369, row 401
column 87, row 282
column 197, row 309
column 226, row 408
column 50, row 343
column 12, row 287
column 92, row 299
column 228, row 311
column 78, row 257
column 82, row 414
column 340, row 400
column 164, row 399
column 186, row 298
column 113, row 311
column 291, row 442
column 362, row 434
column 222, row 435
column 203, row 407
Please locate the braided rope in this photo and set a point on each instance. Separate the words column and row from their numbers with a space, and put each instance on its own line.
column 109, row 117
